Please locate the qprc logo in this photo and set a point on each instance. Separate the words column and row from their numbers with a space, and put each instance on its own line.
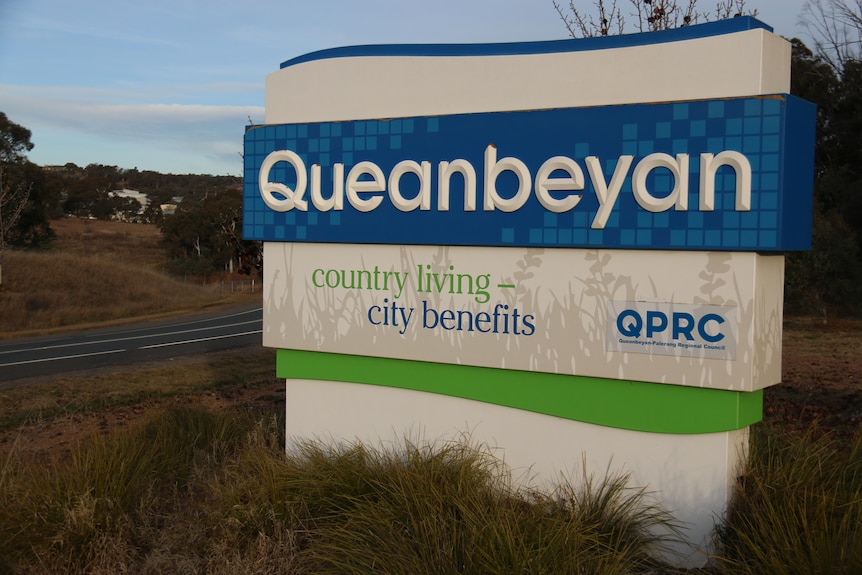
column 630, row 323
column 672, row 329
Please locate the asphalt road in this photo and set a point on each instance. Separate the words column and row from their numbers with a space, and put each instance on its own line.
column 144, row 342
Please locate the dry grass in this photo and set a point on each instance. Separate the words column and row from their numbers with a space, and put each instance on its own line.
column 51, row 290
column 98, row 271
column 194, row 491
column 191, row 490
column 60, row 405
column 136, row 245
column 798, row 508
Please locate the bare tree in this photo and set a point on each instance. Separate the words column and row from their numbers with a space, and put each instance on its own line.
column 654, row 15
column 836, row 28
column 583, row 25
column 732, row 9
column 646, row 15
column 13, row 199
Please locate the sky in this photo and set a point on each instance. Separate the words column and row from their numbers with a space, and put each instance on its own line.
column 169, row 85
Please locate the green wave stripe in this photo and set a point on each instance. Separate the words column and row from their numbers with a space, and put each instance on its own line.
column 633, row 405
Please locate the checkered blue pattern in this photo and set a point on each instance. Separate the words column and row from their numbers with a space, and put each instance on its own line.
column 775, row 133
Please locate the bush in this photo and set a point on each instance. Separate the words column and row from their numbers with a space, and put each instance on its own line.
column 197, row 492
column 798, row 508
column 827, row 279
column 84, row 514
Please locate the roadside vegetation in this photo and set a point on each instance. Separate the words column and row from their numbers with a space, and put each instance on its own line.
column 70, row 290
column 94, row 272
column 798, row 508
column 194, row 490
column 182, row 468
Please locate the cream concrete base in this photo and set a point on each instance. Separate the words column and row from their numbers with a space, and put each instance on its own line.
column 691, row 476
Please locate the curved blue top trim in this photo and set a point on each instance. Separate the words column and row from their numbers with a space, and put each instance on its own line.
column 718, row 28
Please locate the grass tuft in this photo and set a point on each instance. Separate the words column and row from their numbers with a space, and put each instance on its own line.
column 195, row 491
column 798, row 508
column 199, row 491
column 451, row 508
column 76, row 514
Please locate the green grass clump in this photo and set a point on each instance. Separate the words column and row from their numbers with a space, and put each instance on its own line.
column 447, row 508
column 798, row 508
column 194, row 491
column 82, row 514
column 450, row 508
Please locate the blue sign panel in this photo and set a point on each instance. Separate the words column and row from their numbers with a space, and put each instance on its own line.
column 729, row 174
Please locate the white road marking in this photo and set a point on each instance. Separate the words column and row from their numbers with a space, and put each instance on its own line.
column 113, row 351
column 160, row 334
column 170, row 343
column 43, row 359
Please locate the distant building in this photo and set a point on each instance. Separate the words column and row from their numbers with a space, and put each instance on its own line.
column 55, row 168
column 139, row 196
column 171, row 208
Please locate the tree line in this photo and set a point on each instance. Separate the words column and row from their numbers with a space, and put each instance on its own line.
column 201, row 236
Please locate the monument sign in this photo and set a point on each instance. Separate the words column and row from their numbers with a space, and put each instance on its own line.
column 570, row 250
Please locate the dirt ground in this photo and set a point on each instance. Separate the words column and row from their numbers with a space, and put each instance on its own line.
column 57, row 436
column 822, row 383
column 822, row 376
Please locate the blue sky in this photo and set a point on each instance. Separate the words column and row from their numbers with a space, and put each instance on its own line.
column 169, row 85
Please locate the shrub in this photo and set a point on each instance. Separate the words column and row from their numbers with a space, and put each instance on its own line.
column 798, row 508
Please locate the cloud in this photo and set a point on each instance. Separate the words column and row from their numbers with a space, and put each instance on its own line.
column 204, row 134
column 87, row 110
column 35, row 26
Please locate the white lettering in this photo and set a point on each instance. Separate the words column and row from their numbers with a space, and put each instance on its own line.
column 678, row 196
column 336, row 200
column 709, row 166
column 444, row 174
column 606, row 193
column 573, row 182
column 356, row 186
column 493, row 169
column 289, row 199
column 423, row 198
column 559, row 182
